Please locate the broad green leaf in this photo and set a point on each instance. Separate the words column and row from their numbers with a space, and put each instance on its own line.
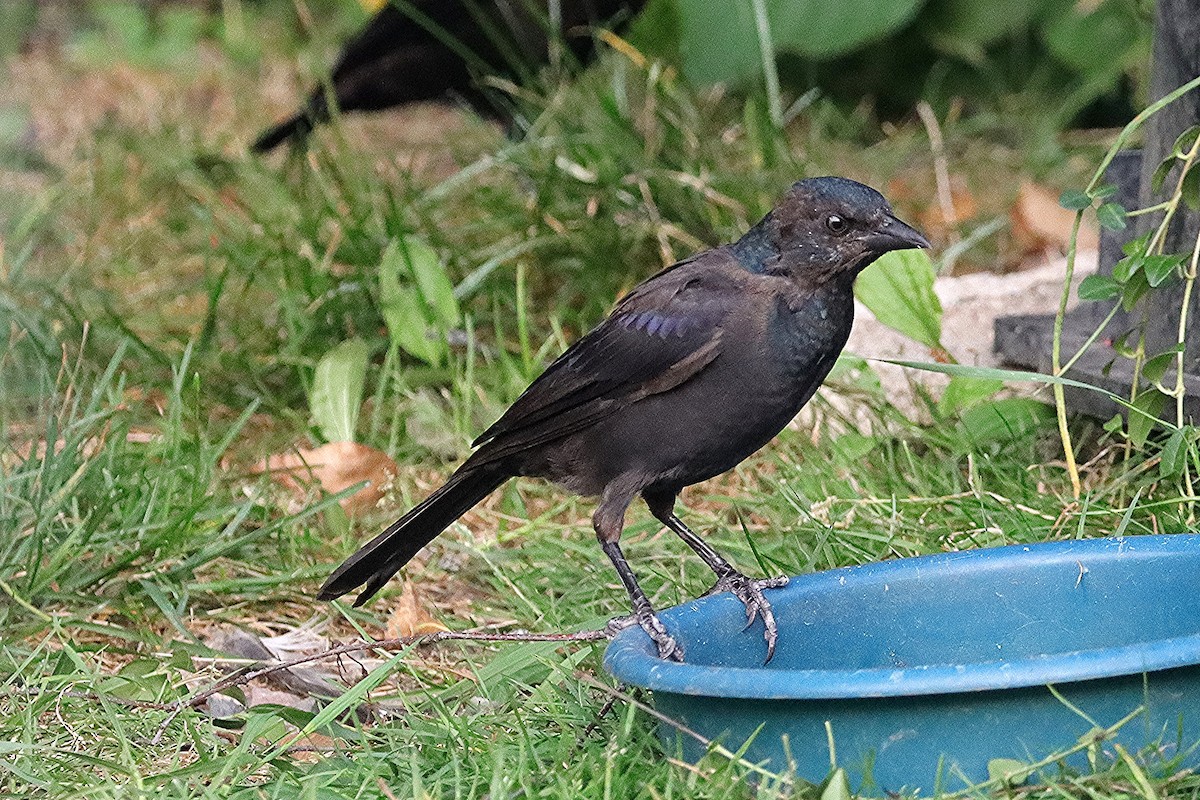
column 959, row 28
column 1159, row 268
column 820, row 29
column 1120, row 345
column 264, row 726
column 1098, row 287
column 1136, row 247
column 1190, row 188
column 898, row 289
column 1134, row 289
column 293, row 716
column 435, row 287
column 701, row 23
column 143, row 679
column 1150, row 403
column 415, row 296
column 336, row 522
column 1185, row 142
column 855, row 370
column 719, row 41
column 1112, row 216
column 1074, row 200
column 1160, row 174
column 1154, row 368
column 1174, row 453
column 1005, row 420
column 1097, row 39
column 139, row 668
column 407, row 324
column 337, row 390
column 1124, row 268
column 962, row 393
column 655, row 31
column 500, row 678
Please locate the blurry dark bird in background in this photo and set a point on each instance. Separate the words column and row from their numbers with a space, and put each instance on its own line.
column 695, row 369
column 414, row 50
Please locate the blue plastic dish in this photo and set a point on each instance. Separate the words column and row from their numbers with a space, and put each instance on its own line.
column 928, row 668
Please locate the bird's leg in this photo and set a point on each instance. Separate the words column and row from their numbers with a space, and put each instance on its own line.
column 608, row 522
column 729, row 579
column 643, row 612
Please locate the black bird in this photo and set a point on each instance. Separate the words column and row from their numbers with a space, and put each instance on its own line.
column 432, row 49
column 695, row 369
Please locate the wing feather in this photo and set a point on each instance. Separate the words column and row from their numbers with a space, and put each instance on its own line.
column 664, row 332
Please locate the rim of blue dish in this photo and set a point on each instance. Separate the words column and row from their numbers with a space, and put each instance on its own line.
column 631, row 656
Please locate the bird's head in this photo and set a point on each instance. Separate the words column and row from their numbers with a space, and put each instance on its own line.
column 826, row 226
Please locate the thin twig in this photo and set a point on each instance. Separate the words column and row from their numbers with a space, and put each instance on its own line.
column 941, row 171
column 242, row 677
column 600, row 715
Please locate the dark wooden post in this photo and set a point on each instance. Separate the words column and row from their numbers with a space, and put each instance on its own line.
column 1025, row 340
column 1176, row 61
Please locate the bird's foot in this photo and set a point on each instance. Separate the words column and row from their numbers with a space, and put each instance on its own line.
column 668, row 648
column 750, row 592
column 618, row 624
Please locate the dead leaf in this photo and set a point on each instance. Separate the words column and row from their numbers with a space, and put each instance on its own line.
column 1040, row 224
column 222, row 706
column 410, row 617
column 263, row 695
column 333, row 467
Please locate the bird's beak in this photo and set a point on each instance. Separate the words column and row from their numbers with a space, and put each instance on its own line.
column 895, row 235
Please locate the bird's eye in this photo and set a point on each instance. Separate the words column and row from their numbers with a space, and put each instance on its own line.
column 836, row 224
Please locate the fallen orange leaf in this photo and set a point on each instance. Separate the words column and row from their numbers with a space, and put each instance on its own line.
column 410, row 617
column 334, row 467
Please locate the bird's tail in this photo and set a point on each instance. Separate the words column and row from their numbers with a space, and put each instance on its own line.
column 295, row 128
column 380, row 559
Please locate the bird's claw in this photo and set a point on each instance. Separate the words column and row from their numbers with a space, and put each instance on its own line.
column 618, row 624
column 750, row 592
column 668, row 648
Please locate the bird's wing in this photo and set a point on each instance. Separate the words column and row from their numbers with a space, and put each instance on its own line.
column 663, row 333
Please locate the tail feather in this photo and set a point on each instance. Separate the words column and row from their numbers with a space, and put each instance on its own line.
column 294, row 128
column 378, row 560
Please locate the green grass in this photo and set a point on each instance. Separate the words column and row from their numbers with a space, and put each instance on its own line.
column 163, row 303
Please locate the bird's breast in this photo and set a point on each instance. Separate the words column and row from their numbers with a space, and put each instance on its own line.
column 805, row 337
column 765, row 374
